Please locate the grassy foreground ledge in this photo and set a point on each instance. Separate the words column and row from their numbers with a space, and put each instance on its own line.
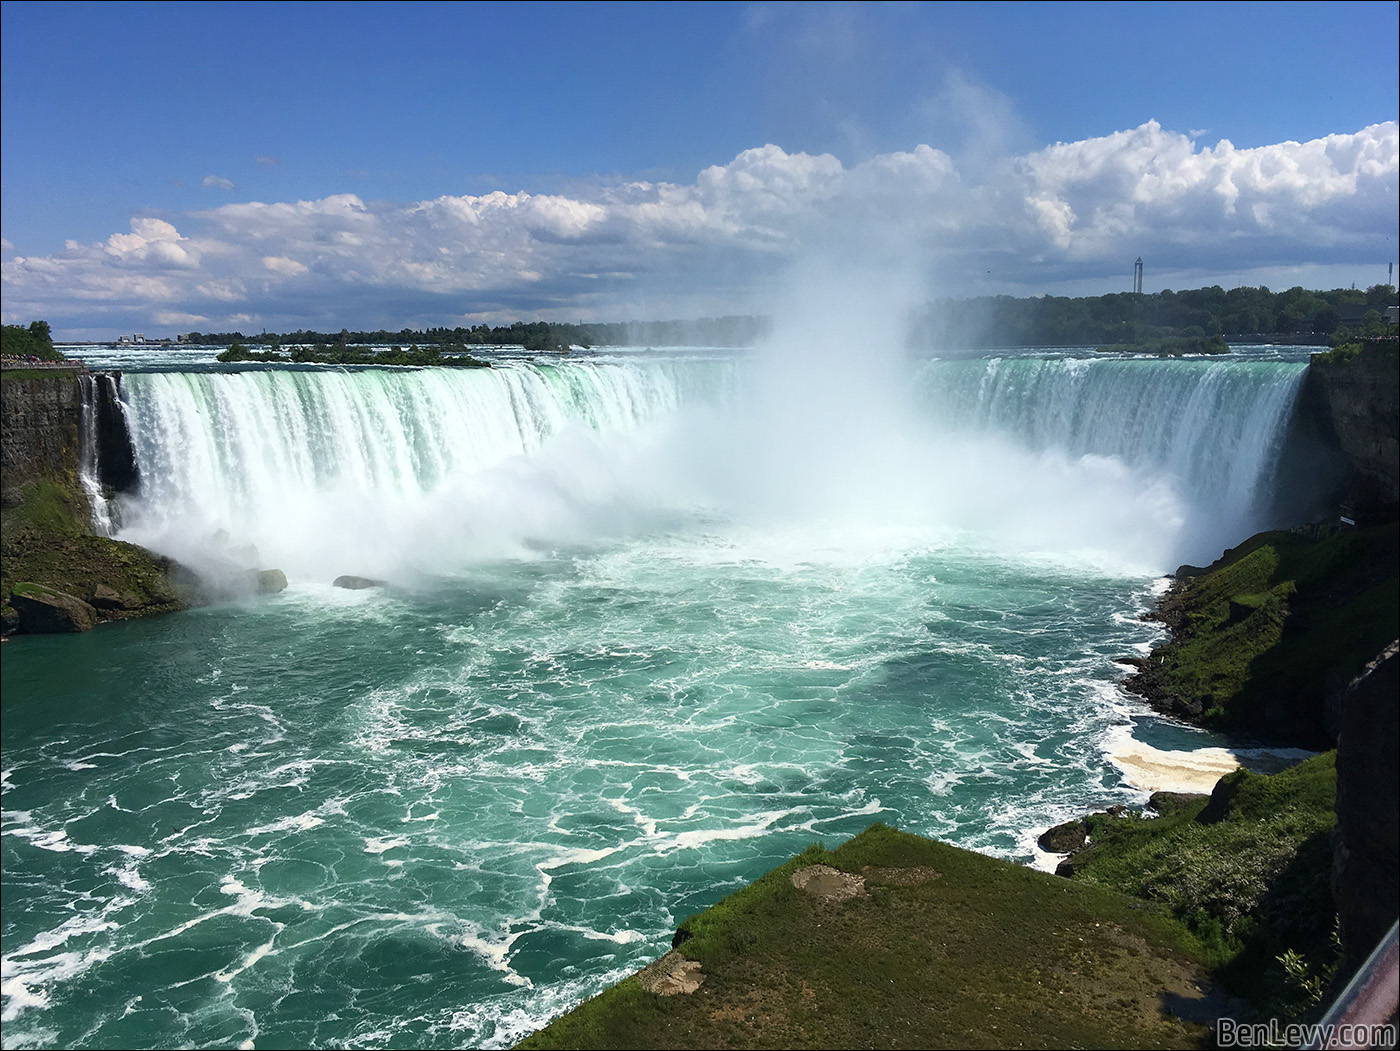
column 947, row 949
column 1247, row 869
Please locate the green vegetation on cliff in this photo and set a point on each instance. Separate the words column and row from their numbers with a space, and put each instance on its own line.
column 1263, row 638
column 47, row 544
column 1247, row 870
column 46, row 541
column 1170, row 347
column 941, row 948
column 1351, row 349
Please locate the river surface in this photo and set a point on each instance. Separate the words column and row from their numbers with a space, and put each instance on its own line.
column 653, row 624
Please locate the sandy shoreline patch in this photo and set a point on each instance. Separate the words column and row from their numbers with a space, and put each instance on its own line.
column 1163, row 770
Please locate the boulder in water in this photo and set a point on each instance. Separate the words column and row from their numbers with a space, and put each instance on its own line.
column 1062, row 839
column 271, row 581
column 357, row 583
column 44, row 611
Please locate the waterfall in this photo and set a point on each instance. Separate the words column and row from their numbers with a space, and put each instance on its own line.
column 1212, row 428
column 91, row 391
column 356, row 471
column 305, row 461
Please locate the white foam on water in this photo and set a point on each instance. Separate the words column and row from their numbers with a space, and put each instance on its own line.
column 248, row 961
column 291, row 823
column 28, row 972
column 376, row 845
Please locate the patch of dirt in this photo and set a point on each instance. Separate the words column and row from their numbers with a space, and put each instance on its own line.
column 670, row 975
column 900, row 877
column 828, row 885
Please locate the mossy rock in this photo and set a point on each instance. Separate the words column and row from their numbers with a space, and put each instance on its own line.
column 45, row 611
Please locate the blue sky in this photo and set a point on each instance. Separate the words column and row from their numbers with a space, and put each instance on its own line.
column 137, row 138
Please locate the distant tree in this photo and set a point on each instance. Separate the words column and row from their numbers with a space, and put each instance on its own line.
column 32, row 342
column 1380, row 296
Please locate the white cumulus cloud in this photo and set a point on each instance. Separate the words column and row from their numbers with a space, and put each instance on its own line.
column 1054, row 214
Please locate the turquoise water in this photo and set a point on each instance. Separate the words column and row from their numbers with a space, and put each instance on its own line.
column 642, row 652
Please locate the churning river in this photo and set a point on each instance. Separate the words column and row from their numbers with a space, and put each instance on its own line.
column 653, row 623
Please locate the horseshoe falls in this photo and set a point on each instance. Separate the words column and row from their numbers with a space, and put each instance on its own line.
column 652, row 623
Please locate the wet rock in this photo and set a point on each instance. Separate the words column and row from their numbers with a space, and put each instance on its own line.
column 357, row 583
column 271, row 581
column 104, row 597
column 1064, row 838
column 44, row 611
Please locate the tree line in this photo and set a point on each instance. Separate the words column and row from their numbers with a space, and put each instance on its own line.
column 735, row 331
column 1128, row 317
column 1122, row 318
column 1119, row 319
column 35, row 341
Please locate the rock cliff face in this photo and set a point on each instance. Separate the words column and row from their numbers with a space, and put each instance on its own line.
column 54, row 574
column 1366, row 866
column 39, row 429
column 1356, row 405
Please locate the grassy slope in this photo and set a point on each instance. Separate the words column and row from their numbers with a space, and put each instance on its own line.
column 987, row 954
column 1248, row 871
column 45, row 540
column 1273, row 628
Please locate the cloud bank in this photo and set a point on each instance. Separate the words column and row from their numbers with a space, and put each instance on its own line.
column 1064, row 213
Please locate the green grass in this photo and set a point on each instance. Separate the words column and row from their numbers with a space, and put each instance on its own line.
column 1247, row 871
column 46, row 542
column 6, row 375
column 1279, row 624
column 46, row 506
column 984, row 954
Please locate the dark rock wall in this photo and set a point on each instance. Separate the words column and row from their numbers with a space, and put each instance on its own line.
column 116, row 456
column 39, row 429
column 1366, row 866
column 42, row 430
column 1355, row 407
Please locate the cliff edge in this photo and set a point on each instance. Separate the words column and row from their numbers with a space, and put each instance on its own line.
column 55, row 574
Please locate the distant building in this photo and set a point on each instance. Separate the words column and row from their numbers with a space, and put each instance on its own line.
column 123, row 339
column 139, row 338
column 1392, row 315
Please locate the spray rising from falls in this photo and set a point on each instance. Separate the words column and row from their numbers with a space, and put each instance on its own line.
column 381, row 472
column 1192, row 443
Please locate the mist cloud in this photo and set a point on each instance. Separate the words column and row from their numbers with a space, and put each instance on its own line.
column 1057, row 213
